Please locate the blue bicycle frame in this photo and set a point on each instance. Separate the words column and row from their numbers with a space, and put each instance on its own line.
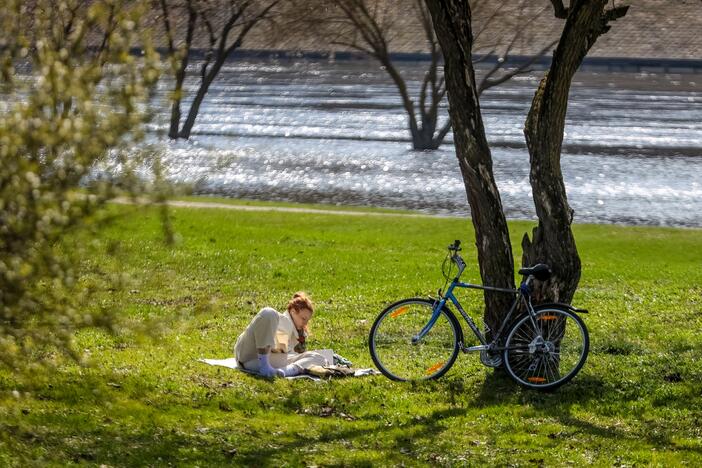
column 522, row 292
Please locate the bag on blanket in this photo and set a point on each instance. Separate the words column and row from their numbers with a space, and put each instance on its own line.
column 342, row 361
column 331, row 371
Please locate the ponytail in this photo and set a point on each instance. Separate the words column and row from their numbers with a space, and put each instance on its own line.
column 300, row 301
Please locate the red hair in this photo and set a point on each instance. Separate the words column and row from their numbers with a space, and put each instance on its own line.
column 299, row 302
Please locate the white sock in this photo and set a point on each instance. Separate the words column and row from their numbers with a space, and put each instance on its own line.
column 265, row 368
column 291, row 370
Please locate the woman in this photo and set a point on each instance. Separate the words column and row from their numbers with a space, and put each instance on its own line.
column 273, row 345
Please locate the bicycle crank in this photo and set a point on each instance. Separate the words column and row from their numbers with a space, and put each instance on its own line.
column 490, row 359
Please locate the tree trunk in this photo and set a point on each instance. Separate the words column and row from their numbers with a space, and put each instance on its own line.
column 194, row 110
column 439, row 139
column 181, row 71
column 174, row 131
column 552, row 240
column 422, row 140
column 175, row 110
column 205, row 83
column 452, row 23
column 426, row 137
column 175, row 120
column 407, row 103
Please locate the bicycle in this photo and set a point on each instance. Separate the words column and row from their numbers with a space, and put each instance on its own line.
column 544, row 347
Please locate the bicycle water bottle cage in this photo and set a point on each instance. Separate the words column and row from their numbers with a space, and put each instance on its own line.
column 541, row 272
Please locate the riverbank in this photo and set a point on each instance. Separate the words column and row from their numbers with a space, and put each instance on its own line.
column 149, row 402
column 590, row 64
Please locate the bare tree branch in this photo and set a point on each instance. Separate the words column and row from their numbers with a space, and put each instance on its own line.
column 430, row 77
column 484, row 26
column 248, row 26
column 367, row 31
column 488, row 83
column 444, row 131
column 211, row 49
column 210, row 31
column 484, row 57
column 369, row 26
column 616, row 13
column 224, row 24
column 167, row 25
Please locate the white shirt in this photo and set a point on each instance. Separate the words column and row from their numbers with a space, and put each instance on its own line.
column 286, row 336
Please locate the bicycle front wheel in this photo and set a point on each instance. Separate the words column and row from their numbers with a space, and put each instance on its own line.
column 395, row 350
column 548, row 351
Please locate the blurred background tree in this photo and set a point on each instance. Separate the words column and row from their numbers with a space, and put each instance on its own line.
column 371, row 27
column 225, row 24
column 68, row 109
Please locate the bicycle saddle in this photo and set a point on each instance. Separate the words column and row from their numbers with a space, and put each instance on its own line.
column 541, row 272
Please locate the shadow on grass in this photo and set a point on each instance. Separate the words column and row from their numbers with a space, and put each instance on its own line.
column 404, row 438
column 586, row 391
column 498, row 385
column 68, row 423
column 134, row 436
column 154, row 445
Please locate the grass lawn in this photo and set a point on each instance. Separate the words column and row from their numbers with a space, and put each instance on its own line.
column 145, row 401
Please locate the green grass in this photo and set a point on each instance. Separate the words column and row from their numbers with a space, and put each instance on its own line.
column 148, row 402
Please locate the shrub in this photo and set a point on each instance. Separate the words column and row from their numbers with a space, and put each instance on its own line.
column 74, row 101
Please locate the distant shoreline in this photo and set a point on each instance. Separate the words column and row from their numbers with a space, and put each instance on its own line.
column 613, row 64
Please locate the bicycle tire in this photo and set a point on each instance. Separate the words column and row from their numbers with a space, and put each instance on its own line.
column 539, row 367
column 391, row 347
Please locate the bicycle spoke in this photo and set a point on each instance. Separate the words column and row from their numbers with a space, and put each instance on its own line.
column 522, row 336
column 560, row 336
column 394, row 351
column 551, row 362
column 551, row 370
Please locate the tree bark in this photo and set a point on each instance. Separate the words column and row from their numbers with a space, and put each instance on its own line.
column 407, row 102
column 452, row 23
column 180, row 72
column 552, row 240
column 182, row 66
column 197, row 102
column 175, row 107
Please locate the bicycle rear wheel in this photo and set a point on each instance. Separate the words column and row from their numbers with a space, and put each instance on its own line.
column 398, row 357
column 547, row 352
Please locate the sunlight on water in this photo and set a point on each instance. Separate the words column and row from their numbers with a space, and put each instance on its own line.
column 335, row 133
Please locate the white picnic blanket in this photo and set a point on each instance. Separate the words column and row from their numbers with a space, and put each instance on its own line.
column 232, row 363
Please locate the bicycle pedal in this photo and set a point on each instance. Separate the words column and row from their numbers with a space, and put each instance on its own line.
column 490, row 359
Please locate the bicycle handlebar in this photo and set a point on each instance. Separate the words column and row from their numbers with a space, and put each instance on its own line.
column 456, row 258
column 456, row 246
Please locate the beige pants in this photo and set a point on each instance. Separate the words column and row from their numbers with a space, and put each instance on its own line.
column 304, row 360
column 261, row 333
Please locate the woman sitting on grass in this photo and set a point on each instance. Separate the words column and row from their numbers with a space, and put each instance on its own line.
column 273, row 345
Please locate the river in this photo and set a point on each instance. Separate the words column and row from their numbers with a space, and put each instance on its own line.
column 313, row 131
